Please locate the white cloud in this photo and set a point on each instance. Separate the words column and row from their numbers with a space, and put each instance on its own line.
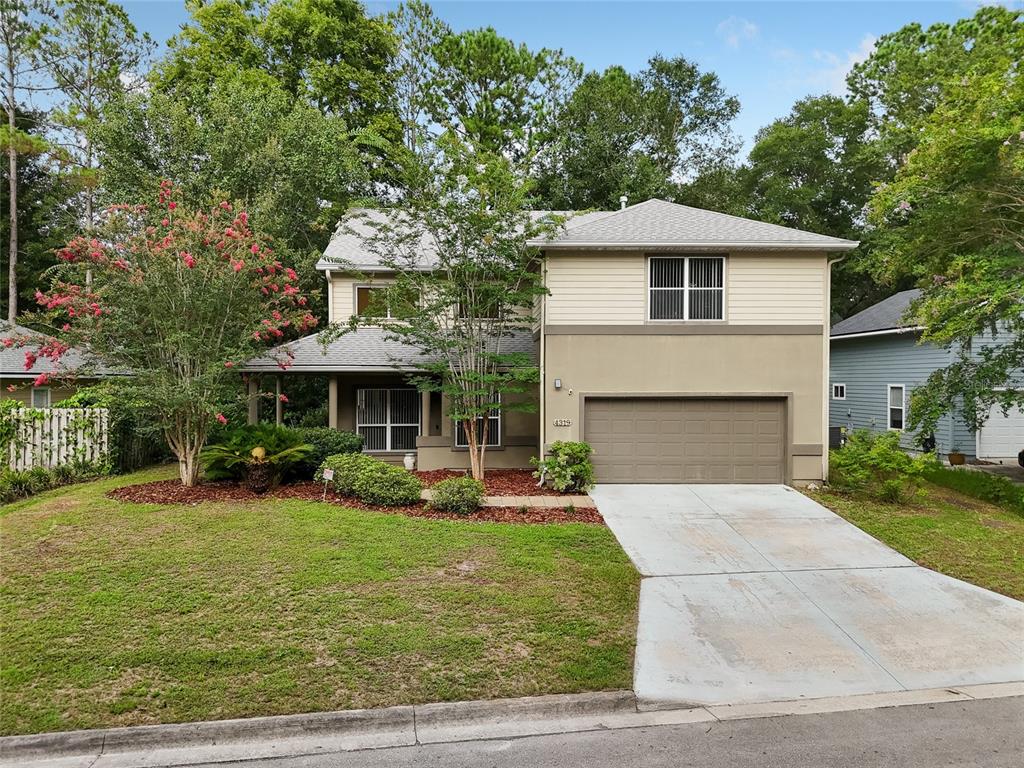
column 832, row 75
column 735, row 30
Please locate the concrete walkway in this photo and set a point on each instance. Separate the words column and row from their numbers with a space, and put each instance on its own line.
column 758, row 593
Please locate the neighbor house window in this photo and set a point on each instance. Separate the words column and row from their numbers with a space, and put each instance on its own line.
column 374, row 302
column 686, row 288
column 493, row 419
column 41, row 397
column 838, row 391
column 896, row 406
column 388, row 419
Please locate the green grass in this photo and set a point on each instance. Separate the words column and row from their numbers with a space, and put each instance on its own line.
column 946, row 531
column 122, row 614
column 992, row 488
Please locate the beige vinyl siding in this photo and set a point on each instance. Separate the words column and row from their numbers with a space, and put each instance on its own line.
column 343, row 297
column 775, row 290
column 596, row 289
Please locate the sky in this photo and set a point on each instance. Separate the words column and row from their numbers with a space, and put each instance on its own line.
column 768, row 54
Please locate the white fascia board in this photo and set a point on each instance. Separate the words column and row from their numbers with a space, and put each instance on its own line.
column 843, row 245
column 886, row 332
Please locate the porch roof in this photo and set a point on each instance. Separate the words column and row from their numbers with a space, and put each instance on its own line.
column 365, row 350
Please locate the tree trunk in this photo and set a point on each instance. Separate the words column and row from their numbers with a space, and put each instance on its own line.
column 188, row 467
column 12, row 159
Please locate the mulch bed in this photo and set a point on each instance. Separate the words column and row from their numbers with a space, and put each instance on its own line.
column 498, row 482
column 173, row 492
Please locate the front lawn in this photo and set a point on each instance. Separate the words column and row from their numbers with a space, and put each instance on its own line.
column 120, row 614
column 946, row 531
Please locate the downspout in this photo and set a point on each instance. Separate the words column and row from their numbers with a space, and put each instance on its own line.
column 543, row 358
column 826, row 395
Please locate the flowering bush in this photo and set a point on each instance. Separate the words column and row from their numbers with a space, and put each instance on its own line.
column 176, row 298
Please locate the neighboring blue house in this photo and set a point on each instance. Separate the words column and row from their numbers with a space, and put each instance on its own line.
column 876, row 362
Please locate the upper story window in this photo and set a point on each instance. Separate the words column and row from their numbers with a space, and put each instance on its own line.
column 686, row 288
column 374, row 301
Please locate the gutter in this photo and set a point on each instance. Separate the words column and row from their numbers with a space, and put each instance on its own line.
column 885, row 332
column 840, row 245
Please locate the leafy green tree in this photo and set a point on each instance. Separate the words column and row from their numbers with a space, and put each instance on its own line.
column 953, row 220
column 468, row 209
column 418, row 31
column 23, row 28
column 177, row 297
column 495, row 95
column 294, row 168
column 45, row 214
column 93, row 54
column 645, row 135
column 328, row 52
column 908, row 72
column 815, row 169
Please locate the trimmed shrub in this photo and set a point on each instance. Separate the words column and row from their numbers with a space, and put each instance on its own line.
column 346, row 466
column 387, row 485
column 14, row 485
column 461, row 495
column 567, row 467
column 326, row 442
column 876, row 465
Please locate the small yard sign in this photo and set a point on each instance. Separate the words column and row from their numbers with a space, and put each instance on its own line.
column 328, row 476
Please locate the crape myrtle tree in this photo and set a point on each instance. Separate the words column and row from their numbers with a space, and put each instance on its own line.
column 174, row 298
column 466, row 281
column 953, row 219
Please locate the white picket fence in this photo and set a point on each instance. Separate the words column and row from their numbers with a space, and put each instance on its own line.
column 49, row 437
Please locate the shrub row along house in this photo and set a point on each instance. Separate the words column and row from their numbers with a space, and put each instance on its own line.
column 877, row 361
column 682, row 344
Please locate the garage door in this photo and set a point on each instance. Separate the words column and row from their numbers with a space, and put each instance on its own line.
column 672, row 440
column 1002, row 437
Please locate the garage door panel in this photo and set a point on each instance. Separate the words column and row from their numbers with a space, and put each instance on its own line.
column 686, row 439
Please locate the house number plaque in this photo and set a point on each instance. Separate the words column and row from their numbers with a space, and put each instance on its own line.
column 563, row 422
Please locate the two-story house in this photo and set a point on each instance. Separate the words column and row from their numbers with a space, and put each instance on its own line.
column 684, row 345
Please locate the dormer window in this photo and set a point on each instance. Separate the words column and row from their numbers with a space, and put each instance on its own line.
column 686, row 288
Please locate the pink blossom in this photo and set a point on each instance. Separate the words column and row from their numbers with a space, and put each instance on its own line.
column 165, row 222
column 172, row 205
column 188, row 258
column 283, row 398
column 30, row 359
column 8, row 342
column 229, row 364
column 237, row 265
column 41, row 380
column 255, row 248
column 12, row 388
column 291, row 274
column 243, row 217
column 222, row 418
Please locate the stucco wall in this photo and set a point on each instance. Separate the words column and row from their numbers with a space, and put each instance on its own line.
column 768, row 364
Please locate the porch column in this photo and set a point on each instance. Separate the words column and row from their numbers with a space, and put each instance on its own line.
column 254, row 402
column 278, row 405
column 332, row 402
column 424, row 413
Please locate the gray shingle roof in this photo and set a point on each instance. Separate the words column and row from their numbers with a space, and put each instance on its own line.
column 347, row 251
column 12, row 359
column 658, row 224
column 365, row 349
column 886, row 315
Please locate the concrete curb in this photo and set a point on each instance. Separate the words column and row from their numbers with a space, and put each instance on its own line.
column 328, row 732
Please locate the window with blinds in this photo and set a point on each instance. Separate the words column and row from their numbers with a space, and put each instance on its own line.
column 388, row 419
column 493, row 420
column 686, row 288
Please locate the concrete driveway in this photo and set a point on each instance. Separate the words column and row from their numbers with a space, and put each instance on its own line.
column 757, row 593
